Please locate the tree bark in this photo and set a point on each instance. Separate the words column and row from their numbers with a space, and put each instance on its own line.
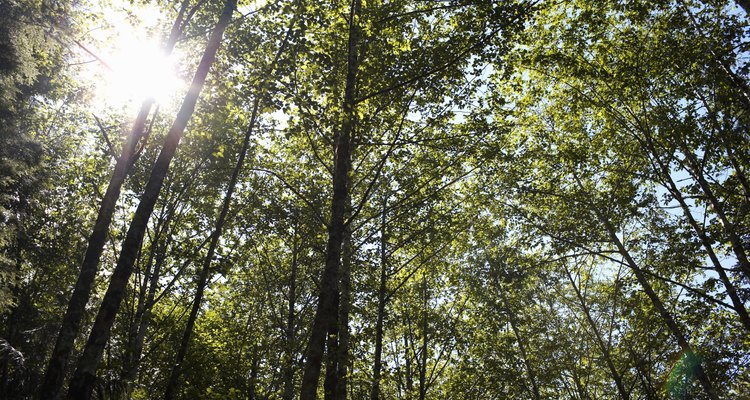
column 82, row 383
column 325, row 314
column 345, row 301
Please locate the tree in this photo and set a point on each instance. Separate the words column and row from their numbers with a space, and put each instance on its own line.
column 82, row 382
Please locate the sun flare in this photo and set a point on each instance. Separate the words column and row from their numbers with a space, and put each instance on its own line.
column 132, row 64
column 140, row 70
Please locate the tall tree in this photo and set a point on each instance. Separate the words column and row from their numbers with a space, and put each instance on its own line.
column 84, row 378
column 71, row 322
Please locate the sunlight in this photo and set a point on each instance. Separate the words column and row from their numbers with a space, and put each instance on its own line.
column 132, row 64
column 139, row 70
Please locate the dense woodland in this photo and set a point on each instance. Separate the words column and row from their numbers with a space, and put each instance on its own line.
column 375, row 199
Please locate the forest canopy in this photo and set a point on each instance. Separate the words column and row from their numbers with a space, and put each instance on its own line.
column 374, row 199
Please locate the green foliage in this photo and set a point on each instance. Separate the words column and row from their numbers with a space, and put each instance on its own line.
column 523, row 174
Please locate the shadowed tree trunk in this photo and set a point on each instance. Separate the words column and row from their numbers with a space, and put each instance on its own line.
column 326, row 313
column 342, row 351
column 173, row 382
column 377, row 363
column 71, row 322
column 290, row 322
column 425, row 347
column 84, row 378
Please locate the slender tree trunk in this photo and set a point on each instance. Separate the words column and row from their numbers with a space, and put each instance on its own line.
column 84, row 377
column 624, row 394
column 173, row 382
column 739, row 172
column 254, row 369
column 382, row 287
column 132, row 353
column 289, row 331
column 143, row 323
column 642, row 374
column 345, row 301
column 408, row 367
column 521, row 346
column 425, row 348
column 660, row 308
column 326, row 314
column 71, row 323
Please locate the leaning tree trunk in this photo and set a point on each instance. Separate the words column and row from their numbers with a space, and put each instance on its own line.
column 83, row 380
column 71, row 323
column 325, row 314
column 173, row 382
column 663, row 169
column 737, row 244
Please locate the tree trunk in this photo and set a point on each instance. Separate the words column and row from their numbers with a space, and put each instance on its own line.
column 325, row 314
column 345, row 301
column 408, row 367
column 425, row 348
column 663, row 169
column 173, row 382
column 330, row 382
column 382, row 287
column 71, row 323
column 694, row 168
column 84, row 377
column 289, row 331
column 521, row 345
